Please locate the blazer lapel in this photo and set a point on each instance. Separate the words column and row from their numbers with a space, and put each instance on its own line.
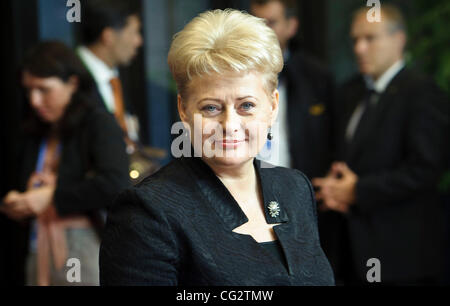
column 274, row 207
column 363, row 131
column 216, row 194
column 229, row 211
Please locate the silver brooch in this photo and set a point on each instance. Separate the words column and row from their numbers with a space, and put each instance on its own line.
column 274, row 209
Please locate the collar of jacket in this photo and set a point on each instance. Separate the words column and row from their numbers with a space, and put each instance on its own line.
column 218, row 196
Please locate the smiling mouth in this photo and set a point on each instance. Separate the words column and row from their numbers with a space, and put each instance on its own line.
column 230, row 143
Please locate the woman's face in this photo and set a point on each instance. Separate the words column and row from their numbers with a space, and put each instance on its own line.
column 49, row 96
column 229, row 116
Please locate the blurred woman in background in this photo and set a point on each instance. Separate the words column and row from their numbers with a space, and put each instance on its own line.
column 73, row 164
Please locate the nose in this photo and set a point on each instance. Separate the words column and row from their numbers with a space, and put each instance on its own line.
column 35, row 98
column 231, row 121
column 139, row 40
column 360, row 47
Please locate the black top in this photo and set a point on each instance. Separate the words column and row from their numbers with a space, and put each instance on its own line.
column 176, row 228
column 275, row 250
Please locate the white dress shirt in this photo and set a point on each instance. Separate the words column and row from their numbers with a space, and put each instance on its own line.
column 102, row 75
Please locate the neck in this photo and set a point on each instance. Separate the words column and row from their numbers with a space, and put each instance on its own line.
column 378, row 76
column 103, row 54
column 236, row 176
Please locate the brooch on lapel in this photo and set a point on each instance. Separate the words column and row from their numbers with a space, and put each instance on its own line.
column 274, row 209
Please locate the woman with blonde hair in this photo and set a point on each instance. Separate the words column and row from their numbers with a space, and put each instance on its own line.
column 218, row 215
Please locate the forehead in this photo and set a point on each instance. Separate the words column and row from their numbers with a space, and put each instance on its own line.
column 133, row 22
column 270, row 10
column 224, row 85
column 361, row 26
column 30, row 80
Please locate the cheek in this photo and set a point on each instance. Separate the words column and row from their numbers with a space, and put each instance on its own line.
column 59, row 100
column 210, row 128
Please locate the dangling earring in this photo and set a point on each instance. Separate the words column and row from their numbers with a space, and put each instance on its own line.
column 270, row 135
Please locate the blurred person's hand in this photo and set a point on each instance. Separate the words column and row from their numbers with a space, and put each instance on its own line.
column 8, row 201
column 33, row 202
column 337, row 189
column 19, row 206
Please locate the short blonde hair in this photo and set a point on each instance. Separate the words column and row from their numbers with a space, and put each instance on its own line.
column 223, row 41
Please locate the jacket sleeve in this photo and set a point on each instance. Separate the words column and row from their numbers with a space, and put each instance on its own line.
column 109, row 169
column 426, row 145
column 138, row 246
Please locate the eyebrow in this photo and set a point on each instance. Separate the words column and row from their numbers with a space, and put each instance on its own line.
column 222, row 101
column 243, row 98
column 210, row 99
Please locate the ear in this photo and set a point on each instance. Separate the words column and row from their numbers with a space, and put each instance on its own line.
column 108, row 36
column 73, row 83
column 401, row 36
column 293, row 25
column 181, row 109
column 275, row 103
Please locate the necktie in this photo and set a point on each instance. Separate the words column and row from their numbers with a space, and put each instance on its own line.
column 369, row 104
column 361, row 117
column 119, row 112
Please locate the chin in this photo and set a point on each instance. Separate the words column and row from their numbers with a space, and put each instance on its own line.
column 229, row 161
column 365, row 70
column 46, row 119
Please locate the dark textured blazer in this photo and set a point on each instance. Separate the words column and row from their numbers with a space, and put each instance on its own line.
column 310, row 91
column 398, row 154
column 175, row 228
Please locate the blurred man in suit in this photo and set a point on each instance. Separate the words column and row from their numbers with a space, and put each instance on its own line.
column 110, row 32
column 303, row 138
column 392, row 140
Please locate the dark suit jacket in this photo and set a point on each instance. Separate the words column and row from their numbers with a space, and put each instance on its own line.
column 310, row 92
column 175, row 228
column 93, row 166
column 398, row 154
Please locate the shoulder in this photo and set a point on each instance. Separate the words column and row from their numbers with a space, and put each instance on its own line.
column 419, row 91
column 311, row 66
column 294, row 189
column 412, row 76
column 287, row 179
column 162, row 191
column 99, row 126
column 416, row 83
column 96, row 117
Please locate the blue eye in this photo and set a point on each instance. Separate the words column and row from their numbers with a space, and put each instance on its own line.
column 247, row 106
column 210, row 108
